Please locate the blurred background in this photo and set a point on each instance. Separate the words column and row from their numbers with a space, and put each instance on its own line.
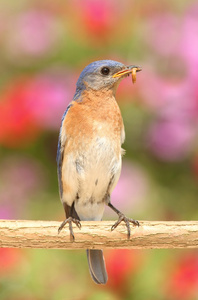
column 44, row 45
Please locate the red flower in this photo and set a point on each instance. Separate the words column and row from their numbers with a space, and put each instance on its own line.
column 120, row 263
column 183, row 283
column 33, row 105
column 99, row 20
column 17, row 126
column 9, row 258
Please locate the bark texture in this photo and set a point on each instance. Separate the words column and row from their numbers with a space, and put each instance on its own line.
column 98, row 235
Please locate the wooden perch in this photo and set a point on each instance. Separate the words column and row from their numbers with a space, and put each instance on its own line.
column 98, row 235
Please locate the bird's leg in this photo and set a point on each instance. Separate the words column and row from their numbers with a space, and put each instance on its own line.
column 69, row 221
column 122, row 217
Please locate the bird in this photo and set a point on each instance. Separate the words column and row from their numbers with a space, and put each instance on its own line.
column 89, row 154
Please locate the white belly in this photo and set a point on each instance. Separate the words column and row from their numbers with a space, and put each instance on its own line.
column 90, row 174
column 90, row 211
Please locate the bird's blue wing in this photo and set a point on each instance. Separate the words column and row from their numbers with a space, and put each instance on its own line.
column 60, row 153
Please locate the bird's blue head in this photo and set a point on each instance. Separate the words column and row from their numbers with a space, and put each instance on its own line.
column 102, row 74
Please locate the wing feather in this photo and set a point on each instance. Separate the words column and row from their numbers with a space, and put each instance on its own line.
column 60, row 153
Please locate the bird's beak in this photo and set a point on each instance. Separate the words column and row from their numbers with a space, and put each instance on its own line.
column 130, row 69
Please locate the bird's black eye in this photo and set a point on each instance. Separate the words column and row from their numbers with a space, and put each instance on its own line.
column 105, row 71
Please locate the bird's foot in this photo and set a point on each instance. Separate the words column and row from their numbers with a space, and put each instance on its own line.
column 127, row 222
column 69, row 221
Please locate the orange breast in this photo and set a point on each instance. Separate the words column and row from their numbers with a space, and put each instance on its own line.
column 97, row 114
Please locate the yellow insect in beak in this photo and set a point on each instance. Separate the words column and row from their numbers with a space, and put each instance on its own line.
column 129, row 70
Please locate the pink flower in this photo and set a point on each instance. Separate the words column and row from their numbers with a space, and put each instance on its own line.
column 166, row 93
column 32, row 33
column 189, row 40
column 131, row 190
column 48, row 95
column 170, row 140
column 175, row 40
column 21, row 178
column 163, row 33
column 172, row 133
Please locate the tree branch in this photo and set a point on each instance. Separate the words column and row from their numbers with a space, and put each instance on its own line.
column 98, row 235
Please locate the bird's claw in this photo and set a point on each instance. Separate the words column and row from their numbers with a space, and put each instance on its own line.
column 127, row 222
column 69, row 221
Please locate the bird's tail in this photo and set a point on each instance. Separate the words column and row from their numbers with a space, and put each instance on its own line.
column 97, row 266
column 95, row 257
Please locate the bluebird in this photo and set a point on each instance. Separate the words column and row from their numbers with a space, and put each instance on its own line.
column 89, row 155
